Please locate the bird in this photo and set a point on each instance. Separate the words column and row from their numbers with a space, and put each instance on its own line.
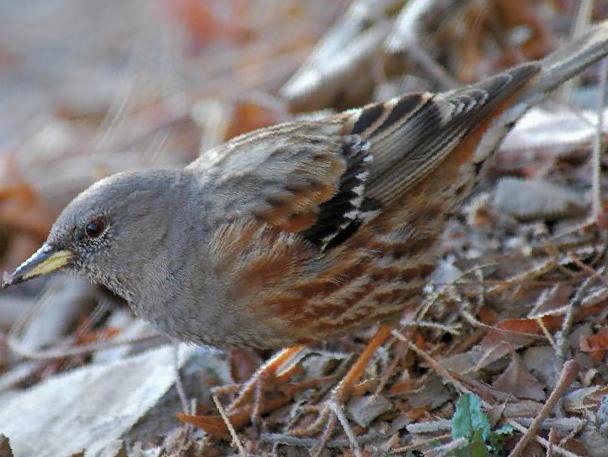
column 302, row 232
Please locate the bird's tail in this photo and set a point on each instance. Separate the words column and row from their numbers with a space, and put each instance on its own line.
column 556, row 68
column 569, row 60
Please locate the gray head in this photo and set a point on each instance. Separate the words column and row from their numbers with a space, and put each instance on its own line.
column 99, row 232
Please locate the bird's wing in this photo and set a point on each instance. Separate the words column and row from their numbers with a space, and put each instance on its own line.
column 301, row 177
column 323, row 179
column 410, row 136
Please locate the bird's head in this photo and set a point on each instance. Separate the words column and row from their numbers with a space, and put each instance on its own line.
column 107, row 232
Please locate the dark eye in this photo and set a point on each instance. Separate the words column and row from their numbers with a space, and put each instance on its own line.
column 95, row 227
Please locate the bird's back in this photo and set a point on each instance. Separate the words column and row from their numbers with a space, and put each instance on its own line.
column 326, row 226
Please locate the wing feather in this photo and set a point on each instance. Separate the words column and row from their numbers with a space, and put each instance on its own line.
column 411, row 148
column 323, row 179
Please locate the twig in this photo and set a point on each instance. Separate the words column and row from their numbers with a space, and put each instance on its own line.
column 439, row 369
column 440, row 293
column 400, row 353
column 57, row 353
column 235, row 438
column 583, row 17
column 432, row 325
column 566, row 378
column 543, row 442
column 545, row 330
column 411, row 447
column 477, row 323
column 562, row 336
column 596, row 192
column 534, row 272
column 587, row 269
column 448, row 448
column 339, row 412
column 440, row 425
column 552, row 440
column 575, row 431
column 570, row 424
column 291, row 440
column 179, row 386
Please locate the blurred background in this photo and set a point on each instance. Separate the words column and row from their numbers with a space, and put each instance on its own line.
column 90, row 88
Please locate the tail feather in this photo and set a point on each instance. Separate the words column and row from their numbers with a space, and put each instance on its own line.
column 555, row 69
column 570, row 59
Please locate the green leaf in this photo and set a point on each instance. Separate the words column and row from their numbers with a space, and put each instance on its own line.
column 469, row 418
column 478, row 445
column 497, row 439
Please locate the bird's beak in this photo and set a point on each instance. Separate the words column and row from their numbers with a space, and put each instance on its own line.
column 44, row 261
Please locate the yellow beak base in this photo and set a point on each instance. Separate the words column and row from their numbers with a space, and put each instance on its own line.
column 44, row 261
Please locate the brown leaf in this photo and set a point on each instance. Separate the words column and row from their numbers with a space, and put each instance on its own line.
column 531, row 326
column 487, row 315
column 496, row 344
column 214, row 425
column 595, row 344
column 250, row 116
column 243, row 363
column 401, row 387
column 522, row 408
column 203, row 24
column 551, row 323
column 21, row 208
column 517, row 381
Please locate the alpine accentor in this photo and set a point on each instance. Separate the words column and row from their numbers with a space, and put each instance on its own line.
column 304, row 231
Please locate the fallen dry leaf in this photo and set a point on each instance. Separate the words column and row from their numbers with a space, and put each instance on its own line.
column 595, row 344
column 248, row 116
column 243, row 363
column 551, row 323
column 21, row 208
column 518, row 381
column 204, row 24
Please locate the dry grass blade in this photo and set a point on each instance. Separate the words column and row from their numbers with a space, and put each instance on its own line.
column 235, row 438
column 61, row 352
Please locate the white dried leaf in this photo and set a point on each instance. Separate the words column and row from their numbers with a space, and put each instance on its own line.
column 537, row 199
column 416, row 19
column 364, row 410
column 322, row 77
column 97, row 404
column 339, row 61
column 560, row 131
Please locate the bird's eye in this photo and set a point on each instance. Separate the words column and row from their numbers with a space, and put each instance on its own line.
column 95, row 227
